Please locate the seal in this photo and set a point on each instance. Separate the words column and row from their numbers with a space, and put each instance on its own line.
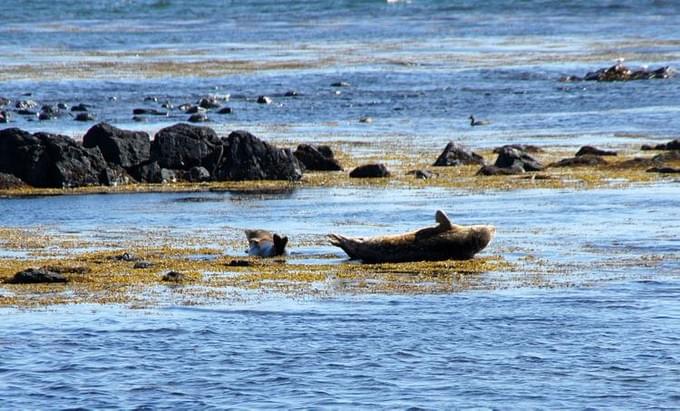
column 262, row 243
column 445, row 241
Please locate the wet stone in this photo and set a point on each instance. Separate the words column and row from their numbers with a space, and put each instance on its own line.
column 198, row 118
column 81, row 107
column 174, row 276
column 370, row 171
column 664, row 170
column 37, row 275
column 421, row 174
column 500, row 171
column 25, row 104
column 140, row 265
column 590, row 150
column 84, row 117
column 455, row 154
column 126, row 257
column 264, row 100
column 583, row 160
column 149, row 112
column 240, row 263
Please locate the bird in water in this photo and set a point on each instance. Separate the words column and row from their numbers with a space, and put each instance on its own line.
column 474, row 122
column 262, row 243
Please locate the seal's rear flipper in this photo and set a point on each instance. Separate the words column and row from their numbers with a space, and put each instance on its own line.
column 443, row 220
column 280, row 244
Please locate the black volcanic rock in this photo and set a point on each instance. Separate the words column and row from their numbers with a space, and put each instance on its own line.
column 455, row 154
column 183, row 146
column 246, row 157
column 508, row 156
column 120, row 147
column 49, row 160
column 319, row 158
column 35, row 276
column 370, row 171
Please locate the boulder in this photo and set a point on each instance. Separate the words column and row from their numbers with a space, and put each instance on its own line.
column 208, row 102
column 36, row 275
column 119, row 147
column 198, row 118
column 590, row 150
column 84, row 116
column 246, row 157
column 8, row 181
column 583, row 160
column 317, row 158
column 509, row 156
column 49, row 160
column 183, row 146
column 455, row 154
column 619, row 72
column 671, row 145
column 147, row 173
column 197, row 174
column 370, row 171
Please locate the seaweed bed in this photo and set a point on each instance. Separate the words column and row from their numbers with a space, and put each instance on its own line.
column 96, row 276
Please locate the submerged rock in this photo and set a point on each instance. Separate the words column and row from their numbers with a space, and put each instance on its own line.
column 225, row 110
column 148, row 112
column 590, row 150
column 370, row 171
column 81, row 107
column 120, row 147
column 319, row 158
column 455, row 154
column 37, row 275
column 246, row 157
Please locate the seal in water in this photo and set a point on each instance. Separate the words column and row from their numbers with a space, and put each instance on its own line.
column 263, row 243
column 445, row 241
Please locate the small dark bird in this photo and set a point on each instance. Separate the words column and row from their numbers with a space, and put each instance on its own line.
column 474, row 122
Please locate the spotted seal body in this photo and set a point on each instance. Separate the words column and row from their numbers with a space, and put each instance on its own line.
column 445, row 241
column 262, row 243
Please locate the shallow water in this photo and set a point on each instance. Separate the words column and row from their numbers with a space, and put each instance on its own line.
column 598, row 325
column 609, row 347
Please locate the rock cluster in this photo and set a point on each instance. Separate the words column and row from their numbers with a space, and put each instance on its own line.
column 110, row 156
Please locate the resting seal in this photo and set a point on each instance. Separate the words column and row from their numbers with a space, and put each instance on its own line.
column 445, row 241
column 263, row 243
